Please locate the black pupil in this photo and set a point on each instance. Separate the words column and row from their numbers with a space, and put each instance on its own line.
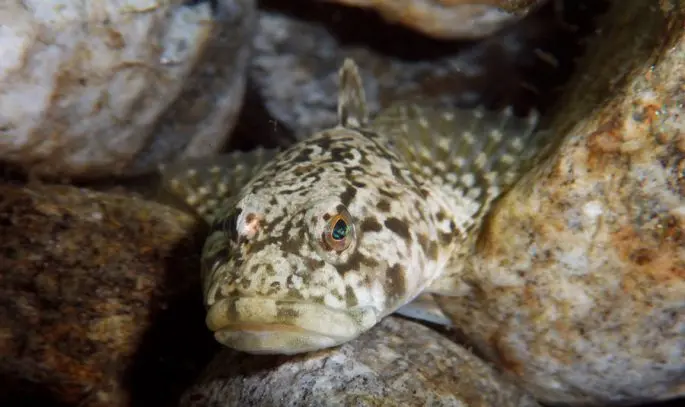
column 339, row 230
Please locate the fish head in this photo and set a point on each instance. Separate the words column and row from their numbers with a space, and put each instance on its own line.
column 325, row 241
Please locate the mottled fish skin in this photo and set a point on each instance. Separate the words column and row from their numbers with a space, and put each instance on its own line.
column 472, row 157
column 411, row 187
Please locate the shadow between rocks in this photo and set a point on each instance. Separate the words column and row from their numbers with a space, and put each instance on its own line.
column 15, row 392
column 176, row 345
column 256, row 127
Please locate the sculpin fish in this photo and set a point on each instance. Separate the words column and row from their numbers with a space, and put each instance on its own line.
column 311, row 246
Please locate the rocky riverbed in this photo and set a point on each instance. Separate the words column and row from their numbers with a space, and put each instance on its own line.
column 577, row 294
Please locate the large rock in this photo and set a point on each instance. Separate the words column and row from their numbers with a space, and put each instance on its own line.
column 578, row 289
column 398, row 363
column 450, row 19
column 100, row 302
column 117, row 87
column 298, row 51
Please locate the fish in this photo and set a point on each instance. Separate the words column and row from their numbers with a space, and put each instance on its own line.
column 312, row 245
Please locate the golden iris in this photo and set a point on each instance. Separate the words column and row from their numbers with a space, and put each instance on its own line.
column 338, row 233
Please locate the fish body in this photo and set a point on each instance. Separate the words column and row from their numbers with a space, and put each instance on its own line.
column 311, row 246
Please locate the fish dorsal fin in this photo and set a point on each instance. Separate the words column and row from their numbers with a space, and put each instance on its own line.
column 352, row 111
column 208, row 184
column 472, row 156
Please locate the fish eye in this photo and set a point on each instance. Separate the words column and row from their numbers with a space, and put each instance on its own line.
column 338, row 233
column 332, row 232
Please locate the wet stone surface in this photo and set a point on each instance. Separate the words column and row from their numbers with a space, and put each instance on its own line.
column 120, row 87
column 450, row 19
column 398, row 363
column 578, row 287
column 99, row 299
column 299, row 47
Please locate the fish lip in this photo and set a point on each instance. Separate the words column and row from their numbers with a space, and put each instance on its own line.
column 262, row 325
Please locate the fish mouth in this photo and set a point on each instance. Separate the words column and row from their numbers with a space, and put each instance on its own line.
column 260, row 325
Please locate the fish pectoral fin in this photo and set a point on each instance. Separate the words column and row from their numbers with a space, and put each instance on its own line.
column 425, row 308
column 448, row 285
column 207, row 183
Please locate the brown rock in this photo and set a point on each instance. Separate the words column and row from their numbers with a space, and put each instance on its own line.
column 117, row 88
column 578, row 289
column 398, row 363
column 99, row 299
column 454, row 19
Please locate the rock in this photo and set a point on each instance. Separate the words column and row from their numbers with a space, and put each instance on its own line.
column 99, row 299
column 450, row 18
column 298, row 50
column 578, row 289
column 398, row 363
column 117, row 88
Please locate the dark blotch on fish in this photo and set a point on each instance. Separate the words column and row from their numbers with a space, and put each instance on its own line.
column 304, row 169
column 274, row 288
column 447, row 238
column 341, row 154
column 286, row 315
column 355, row 262
column 370, row 224
column 315, row 263
column 396, row 283
column 429, row 247
column 348, row 195
column 387, row 193
column 398, row 227
column 383, row 205
column 350, row 297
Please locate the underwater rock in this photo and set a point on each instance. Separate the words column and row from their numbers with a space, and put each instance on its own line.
column 578, row 289
column 297, row 53
column 398, row 363
column 115, row 88
column 99, row 301
column 450, row 19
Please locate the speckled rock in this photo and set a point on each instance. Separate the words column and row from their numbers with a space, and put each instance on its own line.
column 398, row 363
column 98, row 302
column 116, row 87
column 450, row 18
column 299, row 47
column 578, row 292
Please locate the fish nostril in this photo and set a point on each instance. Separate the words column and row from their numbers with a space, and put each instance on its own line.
column 250, row 225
